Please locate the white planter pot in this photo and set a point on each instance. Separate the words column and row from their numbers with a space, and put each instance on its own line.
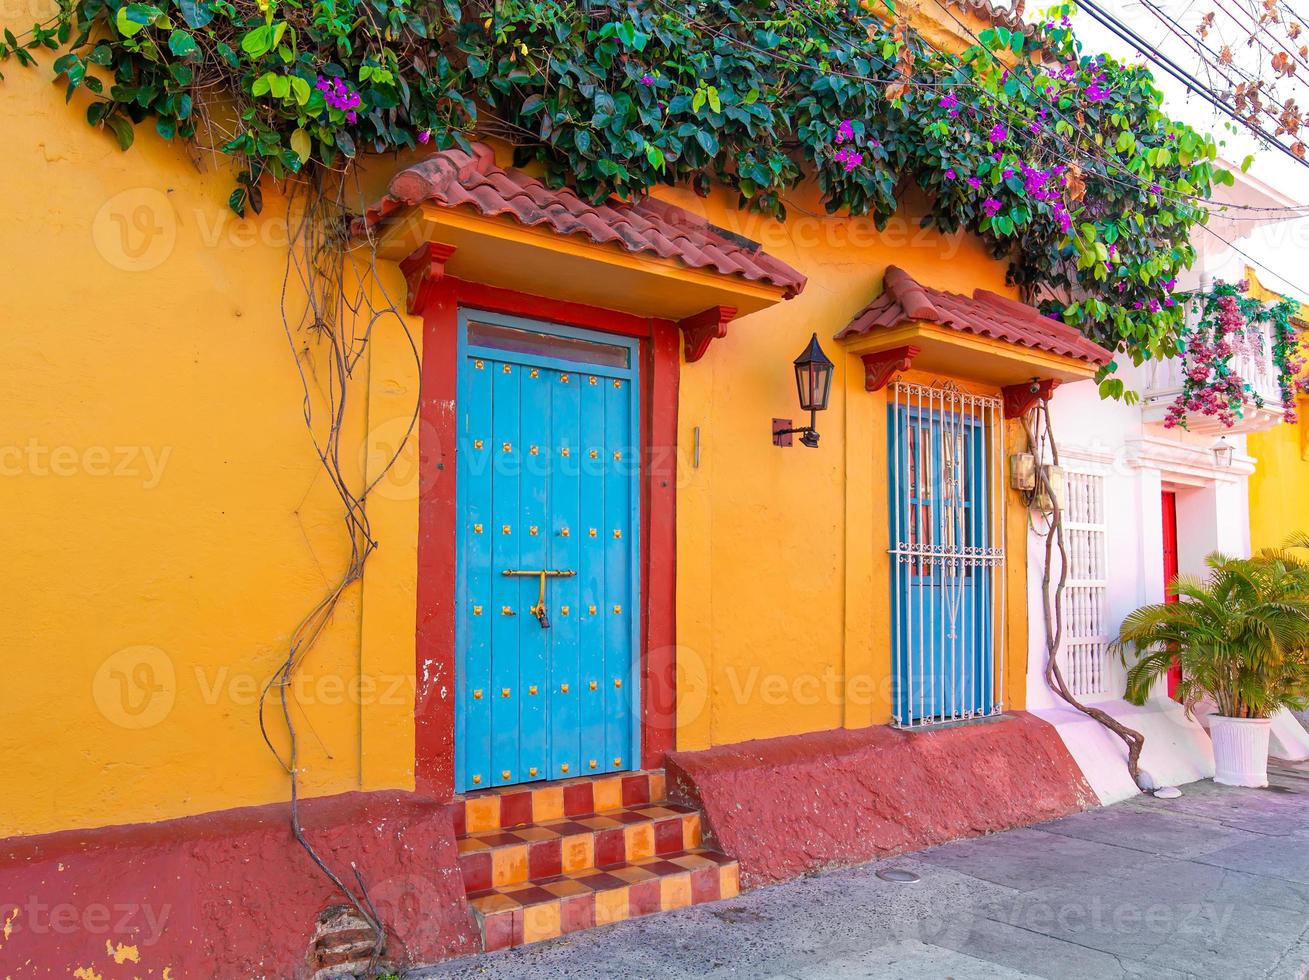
column 1240, row 750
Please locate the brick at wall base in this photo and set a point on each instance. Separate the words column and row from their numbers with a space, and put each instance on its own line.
column 231, row 894
column 790, row 805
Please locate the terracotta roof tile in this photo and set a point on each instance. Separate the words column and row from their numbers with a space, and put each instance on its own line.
column 986, row 314
column 453, row 178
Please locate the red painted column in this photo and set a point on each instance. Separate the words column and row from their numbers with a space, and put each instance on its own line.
column 434, row 703
column 1170, row 573
column 659, row 695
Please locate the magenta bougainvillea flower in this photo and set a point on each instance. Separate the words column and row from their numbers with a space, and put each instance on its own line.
column 850, row 158
column 998, row 133
column 339, row 95
column 425, row 137
column 647, row 79
column 991, row 206
column 845, row 131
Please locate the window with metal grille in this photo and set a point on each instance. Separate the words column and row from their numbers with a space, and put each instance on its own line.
column 947, row 552
column 1084, row 653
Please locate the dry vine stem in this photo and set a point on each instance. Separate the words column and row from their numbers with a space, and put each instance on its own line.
column 319, row 254
column 1052, row 603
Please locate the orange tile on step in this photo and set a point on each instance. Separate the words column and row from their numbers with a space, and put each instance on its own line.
column 690, row 830
column 658, row 787
column 541, row 922
column 548, row 804
column 640, row 841
column 578, row 852
column 508, row 865
column 674, row 891
column 611, row 905
column 729, row 882
column 608, row 794
column 481, row 813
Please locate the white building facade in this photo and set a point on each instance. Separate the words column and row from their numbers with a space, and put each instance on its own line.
column 1144, row 502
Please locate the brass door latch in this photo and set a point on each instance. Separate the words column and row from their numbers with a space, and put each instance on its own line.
column 542, row 573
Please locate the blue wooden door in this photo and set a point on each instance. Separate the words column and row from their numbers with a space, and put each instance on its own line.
column 942, row 629
column 548, row 466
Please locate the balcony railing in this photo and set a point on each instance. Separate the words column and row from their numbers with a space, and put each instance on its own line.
column 1254, row 365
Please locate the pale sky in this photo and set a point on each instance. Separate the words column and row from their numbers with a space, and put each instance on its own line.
column 1280, row 249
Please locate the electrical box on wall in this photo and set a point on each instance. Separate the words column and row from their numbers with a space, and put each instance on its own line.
column 1022, row 472
column 1054, row 483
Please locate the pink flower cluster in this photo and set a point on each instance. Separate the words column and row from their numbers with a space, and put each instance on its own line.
column 1209, row 385
column 339, row 95
column 847, row 155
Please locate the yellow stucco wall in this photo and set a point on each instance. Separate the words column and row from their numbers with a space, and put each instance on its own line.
column 783, row 609
column 166, row 520
column 1279, row 485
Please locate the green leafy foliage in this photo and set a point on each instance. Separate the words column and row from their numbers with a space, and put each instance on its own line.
column 1241, row 636
column 1063, row 164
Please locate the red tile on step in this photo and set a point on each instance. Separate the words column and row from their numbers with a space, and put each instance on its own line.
column 567, row 828
column 610, row 848
column 578, row 801
column 502, row 930
column 578, row 913
column 643, row 897
column 477, row 870
column 628, row 816
column 545, row 859
column 662, row 868
column 515, row 809
column 636, row 790
column 499, row 839
column 704, row 885
column 599, row 880
column 457, row 817
column 668, row 835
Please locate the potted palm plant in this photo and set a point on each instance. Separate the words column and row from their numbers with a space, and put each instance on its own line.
column 1241, row 636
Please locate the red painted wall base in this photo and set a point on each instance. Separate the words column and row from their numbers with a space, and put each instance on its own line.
column 785, row 806
column 228, row 894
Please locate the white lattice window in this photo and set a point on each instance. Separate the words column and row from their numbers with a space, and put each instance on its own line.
column 1084, row 655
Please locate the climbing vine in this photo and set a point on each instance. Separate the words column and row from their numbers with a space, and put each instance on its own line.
column 1227, row 324
column 1064, row 163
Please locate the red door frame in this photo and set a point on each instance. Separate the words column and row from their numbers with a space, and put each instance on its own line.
column 660, row 347
column 1169, row 499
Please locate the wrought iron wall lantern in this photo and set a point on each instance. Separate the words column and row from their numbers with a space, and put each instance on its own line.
column 1223, row 452
column 813, row 383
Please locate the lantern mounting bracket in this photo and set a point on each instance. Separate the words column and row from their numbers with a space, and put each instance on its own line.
column 813, row 383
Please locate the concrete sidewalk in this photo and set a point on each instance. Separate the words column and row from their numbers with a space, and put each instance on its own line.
column 1214, row 885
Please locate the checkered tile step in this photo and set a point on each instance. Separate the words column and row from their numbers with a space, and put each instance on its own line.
column 538, row 910
column 514, row 806
column 539, row 862
column 496, row 858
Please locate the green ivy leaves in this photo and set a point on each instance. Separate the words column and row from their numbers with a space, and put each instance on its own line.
column 617, row 96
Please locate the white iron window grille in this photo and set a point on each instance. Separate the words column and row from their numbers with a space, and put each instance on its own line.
column 945, row 449
column 1084, row 653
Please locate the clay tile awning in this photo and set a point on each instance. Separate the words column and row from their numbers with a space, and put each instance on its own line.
column 510, row 229
column 986, row 337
